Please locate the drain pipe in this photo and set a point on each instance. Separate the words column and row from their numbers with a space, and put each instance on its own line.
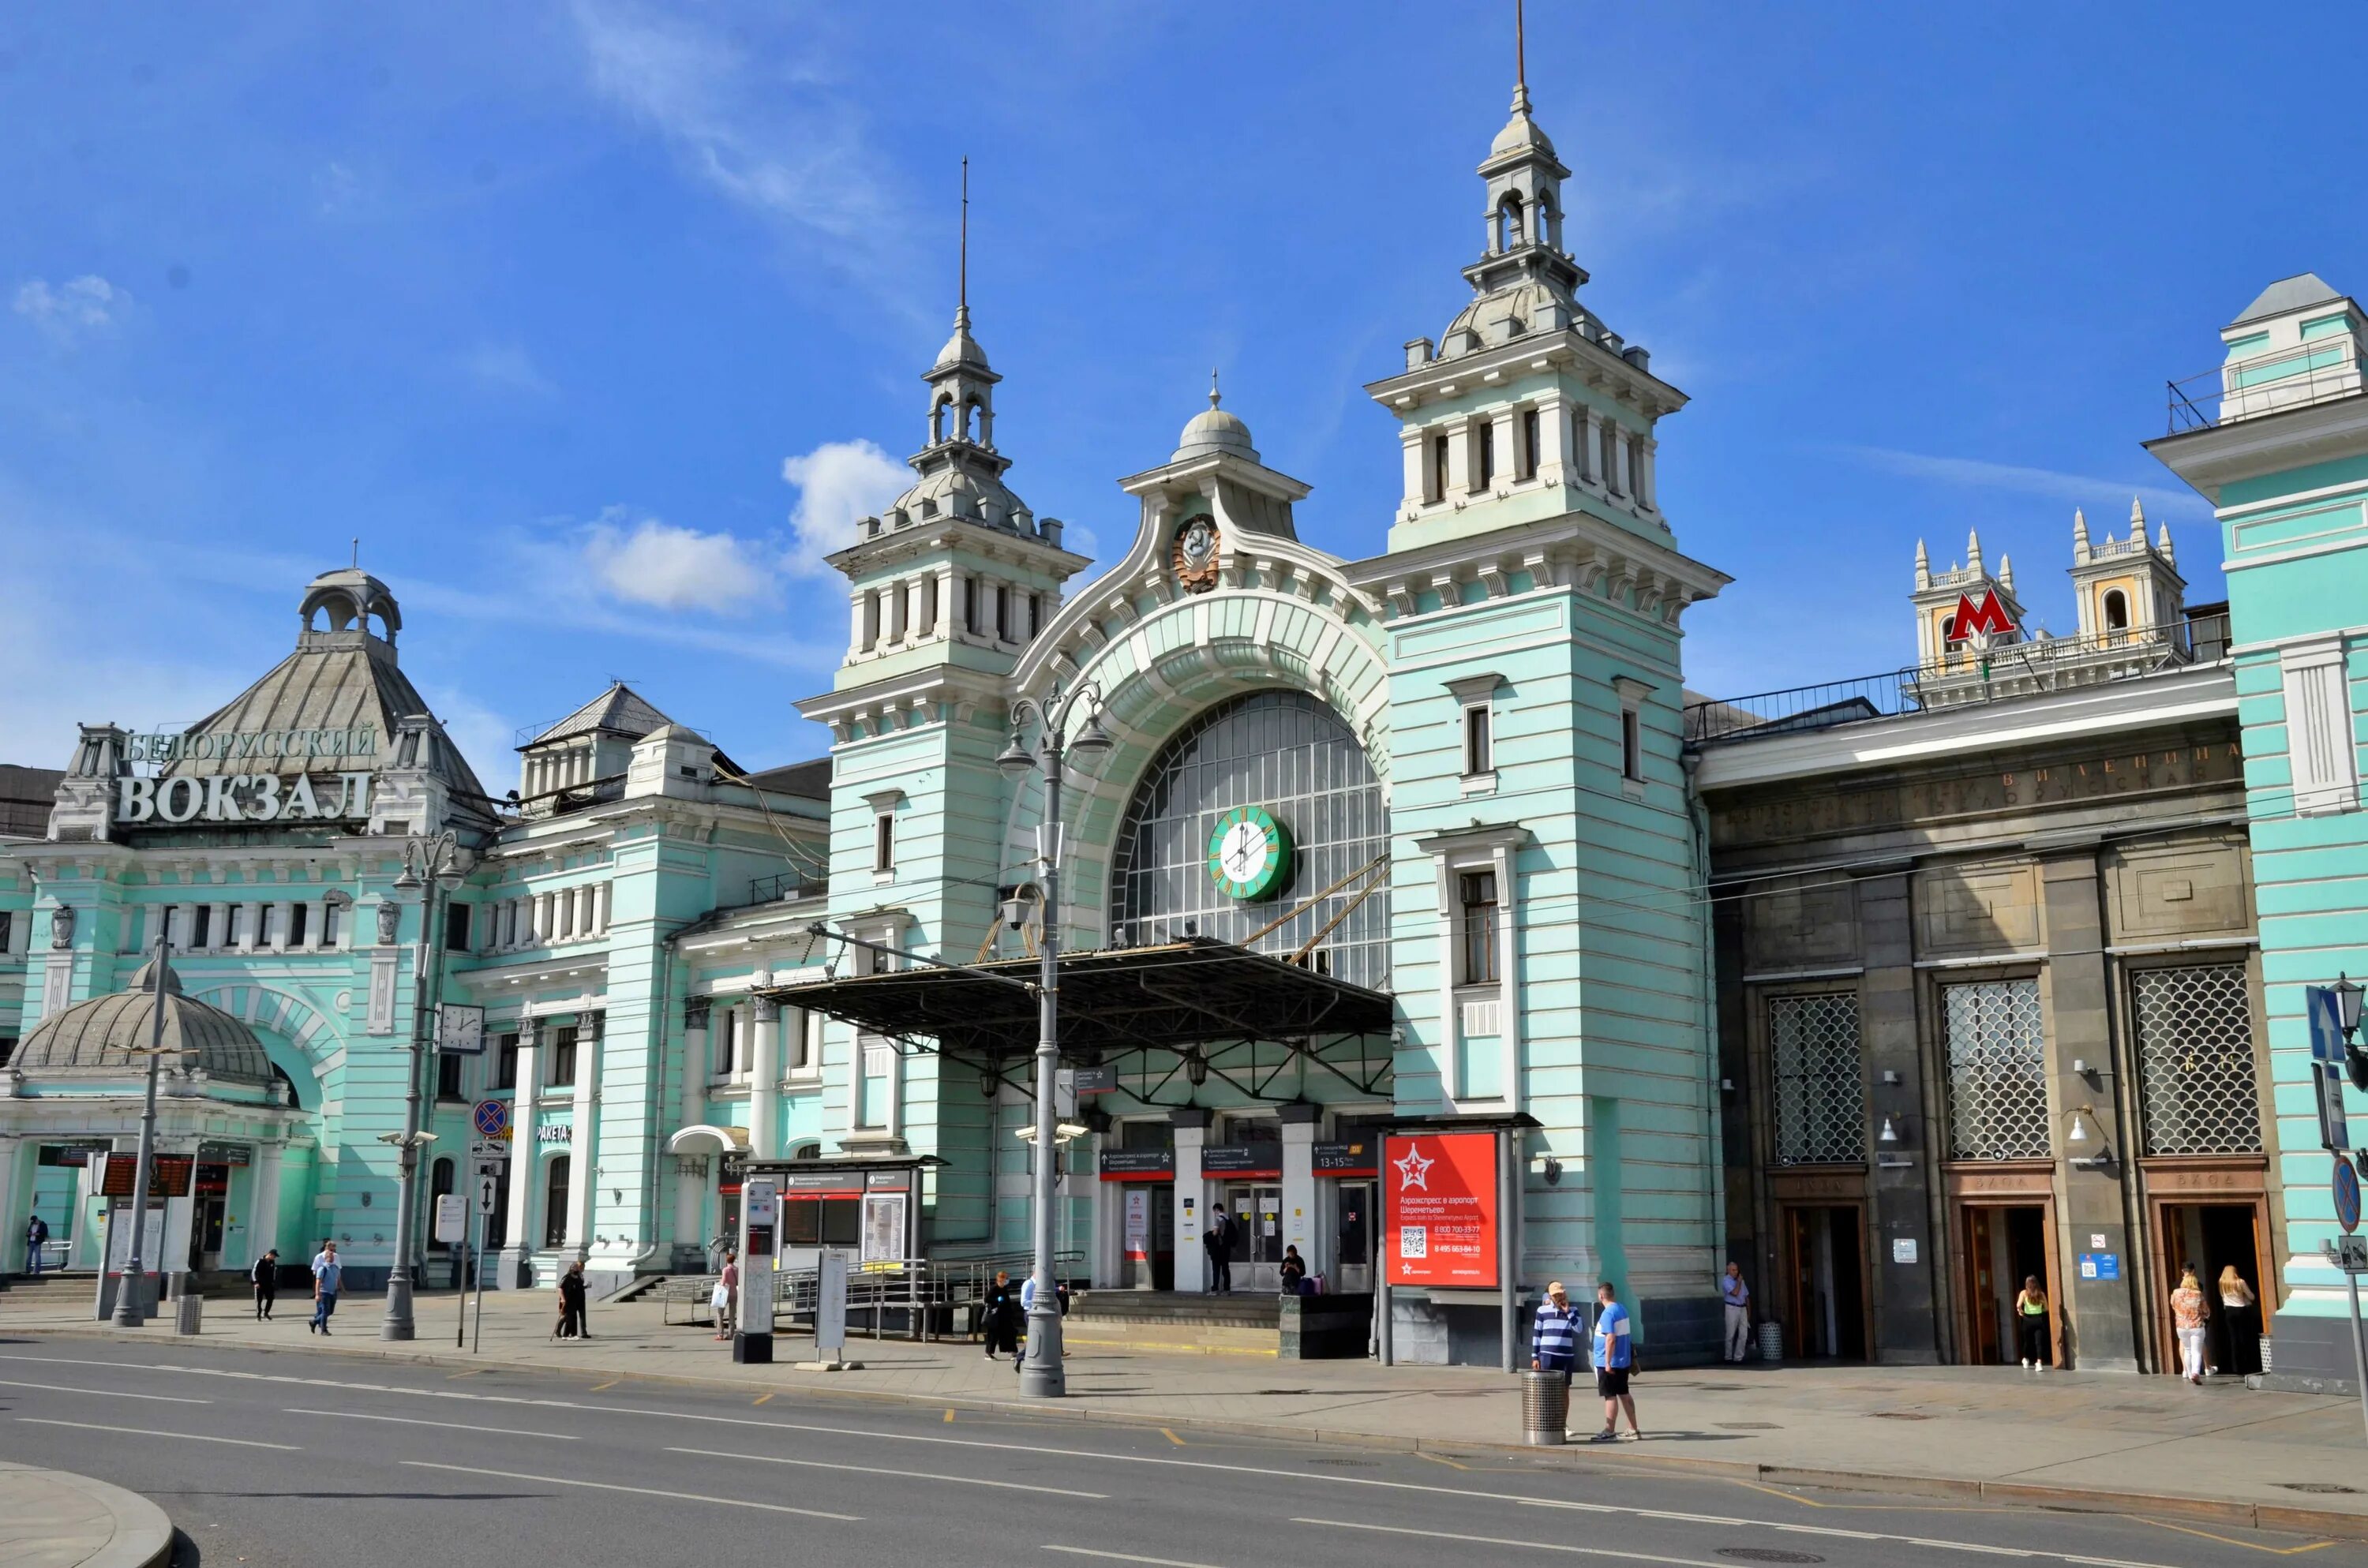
column 1714, row 1188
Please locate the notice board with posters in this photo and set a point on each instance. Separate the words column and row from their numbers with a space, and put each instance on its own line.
column 1440, row 1208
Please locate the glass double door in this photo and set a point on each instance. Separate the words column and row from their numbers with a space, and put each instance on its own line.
column 1255, row 1208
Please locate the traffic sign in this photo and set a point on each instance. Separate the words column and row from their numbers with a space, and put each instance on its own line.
column 451, row 1216
column 2348, row 1253
column 492, row 1118
column 488, row 1187
column 2347, row 1195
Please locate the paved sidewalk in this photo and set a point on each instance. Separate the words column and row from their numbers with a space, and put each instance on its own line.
column 50, row 1519
column 2158, row 1445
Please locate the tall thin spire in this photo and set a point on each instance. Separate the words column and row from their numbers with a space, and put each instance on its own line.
column 1521, row 62
column 1214, row 398
column 962, row 281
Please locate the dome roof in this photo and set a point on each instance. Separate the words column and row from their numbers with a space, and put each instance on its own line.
column 962, row 348
column 1520, row 133
column 1214, row 431
column 104, row 1033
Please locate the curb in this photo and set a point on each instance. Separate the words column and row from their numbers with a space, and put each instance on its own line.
column 143, row 1536
column 2292, row 1519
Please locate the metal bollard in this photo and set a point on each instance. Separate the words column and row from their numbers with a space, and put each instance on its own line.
column 1771, row 1341
column 186, row 1308
column 1545, row 1407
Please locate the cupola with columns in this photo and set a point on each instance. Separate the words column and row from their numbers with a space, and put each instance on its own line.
column 1937, row 638
column 2126, row 587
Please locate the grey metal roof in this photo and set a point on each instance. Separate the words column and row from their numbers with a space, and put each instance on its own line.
column 810, row 780
column 2299, row 293
column 620, row 711
column 26, row 796
column 111, row 1034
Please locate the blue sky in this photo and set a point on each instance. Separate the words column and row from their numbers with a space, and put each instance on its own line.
column 580, row 315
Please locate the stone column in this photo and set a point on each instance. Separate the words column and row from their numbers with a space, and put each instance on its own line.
column 82, row 1250
column 1583, row 434
column 1555, row 464
column 1906, row 1294
column 1648, row 492
column 1413, row 443
column 1191, row 1199
column 518, row 1252
column 16, row 1203
column 263, row 1203
column 1505, row 439
column 764, row 1076
column 1299, row 1224
column 2098, row 1335
column 690, row 1191
column 583, row 1145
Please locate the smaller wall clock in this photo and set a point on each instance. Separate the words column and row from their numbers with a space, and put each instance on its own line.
column 1249, row 853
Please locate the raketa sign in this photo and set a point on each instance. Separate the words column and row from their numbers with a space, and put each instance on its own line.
column 244, row 798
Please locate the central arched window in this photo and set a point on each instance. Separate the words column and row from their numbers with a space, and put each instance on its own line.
column 1289, row 753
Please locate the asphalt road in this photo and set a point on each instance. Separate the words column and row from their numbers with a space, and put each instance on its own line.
column 280, row 1461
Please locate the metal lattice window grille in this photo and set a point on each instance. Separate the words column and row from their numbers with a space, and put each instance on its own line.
column 1998, row 1071
column 1820, row 1094
column 2195, row 1061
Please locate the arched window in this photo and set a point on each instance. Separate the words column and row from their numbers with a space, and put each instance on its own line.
column 554, row 1204
column 2117, row 610
column 938, row 420
column 1950, row 641
column 1509, row 223
column 1288, row 753
column 439, row 1185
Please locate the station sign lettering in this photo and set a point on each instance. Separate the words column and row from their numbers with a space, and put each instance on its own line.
column 233, row 745
column 244, row 798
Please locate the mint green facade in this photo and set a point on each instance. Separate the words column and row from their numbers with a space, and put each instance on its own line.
column 2279, row 445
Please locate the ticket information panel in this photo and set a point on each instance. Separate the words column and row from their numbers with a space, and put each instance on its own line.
column 1440, row 1208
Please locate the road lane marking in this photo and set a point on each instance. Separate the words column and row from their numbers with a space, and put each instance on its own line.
column 445, row 1426
column 613, row 1382
column 1439, row 1459
column 1127, row 1557
column 1172, row 1438
column 760, row 1399
column 110, row 1394
column 1526, row 1545
column 149, row 1432
column 908, row 1474
column 472, row 1372
column 950, row 1415
column 641, row 1491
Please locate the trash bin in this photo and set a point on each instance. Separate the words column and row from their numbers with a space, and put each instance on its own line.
column 1771, row 1342
column 185, row 1312
column 1545, row 1407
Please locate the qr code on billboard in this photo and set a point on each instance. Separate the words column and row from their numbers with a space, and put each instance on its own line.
column 1414, row 1241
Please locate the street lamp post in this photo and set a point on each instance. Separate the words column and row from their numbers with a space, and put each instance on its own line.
column 127, row 1312
column 427, row 865
column 1042, row 1375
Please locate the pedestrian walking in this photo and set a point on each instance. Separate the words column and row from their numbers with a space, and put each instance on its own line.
column 1219, row 1241
column 1737, row 1296
column 1554, row 1333
column 328, row 1279
column 2240, row 1324
column 266, row 1278
column 1614, row 1355
column 1001, row 1308
column 570, row 1303
column 2192, row 1318
column 726, row 1297
column 2031, row 1322
column 37, row 1236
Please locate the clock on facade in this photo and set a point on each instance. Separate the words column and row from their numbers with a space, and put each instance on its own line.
column 1249, row 852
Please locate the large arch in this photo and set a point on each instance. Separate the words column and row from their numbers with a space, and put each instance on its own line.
column 301, row 1042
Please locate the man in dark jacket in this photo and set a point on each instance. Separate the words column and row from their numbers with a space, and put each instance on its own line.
column 571, row 1303
column 37, row 1236
column 265, row 1276
column 1219, row 1241
column 1001, row 1319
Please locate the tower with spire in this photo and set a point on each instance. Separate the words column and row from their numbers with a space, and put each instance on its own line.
column 2127, row 590
column 1940, row 645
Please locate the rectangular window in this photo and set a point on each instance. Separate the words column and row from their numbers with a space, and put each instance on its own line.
column 799, row 1029
column 1529, row 443
column 1035, row 616
column 563, row 1056
column 1812, row 1049
column 448, row 1077
column 201, row 926
column 506, row 1061
column 554, row 1204
column 233, row 923
column 1631, row 743
column 970, row 606
column 8, row 930
column 726, row 1028
column 332, row 916
column 884, row 841
column 1998, row 1071
column 928, row 605
column 1477, row 892
column 264, row 923
column 1610, row 457
column 456, row 928
column 296, row 914
column 1439, row 448
column 1479, row 755
column 1485, row 444
column 1003, row 612
column 2195, row 1030
column 871, row 618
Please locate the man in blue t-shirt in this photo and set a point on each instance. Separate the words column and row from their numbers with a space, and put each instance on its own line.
column 328, row 1278
column 1613, row 1355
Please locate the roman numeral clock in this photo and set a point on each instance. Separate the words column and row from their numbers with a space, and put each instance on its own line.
column 1249, row 853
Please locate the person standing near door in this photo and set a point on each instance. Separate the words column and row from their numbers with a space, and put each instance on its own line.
column 2240, row 1323
column 2192, row 1318
column 1219, row 1241
column 2031, row 1322
column 37, row 1236
column 1736, row 1297
column 266, row 1278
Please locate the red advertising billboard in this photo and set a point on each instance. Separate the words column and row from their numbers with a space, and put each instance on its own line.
column 1440, row 1208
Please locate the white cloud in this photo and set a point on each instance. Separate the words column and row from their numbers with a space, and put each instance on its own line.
column 76, row 309
column 660, row 564
column 837, row 482
column 506, row 367
column 1979, row 474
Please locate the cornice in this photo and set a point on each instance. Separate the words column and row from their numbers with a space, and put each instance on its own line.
column 1577, row 550
column 1567, row 349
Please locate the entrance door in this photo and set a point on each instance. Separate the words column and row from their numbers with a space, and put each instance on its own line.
column 2209, row 1237
column 2005, row 1245
column 1257, row 1236
column 1825, row 1299
column 1147, row 1236
column 1353, row 1230
column 208, row 1213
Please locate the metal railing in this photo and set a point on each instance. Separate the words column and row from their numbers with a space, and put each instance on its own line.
column 933, row 1298
column 2313, row 371
column 788, row 884
column 1967, row 676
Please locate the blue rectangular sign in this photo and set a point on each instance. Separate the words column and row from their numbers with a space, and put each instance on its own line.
column 2101, row 1266
column 2325, row 1024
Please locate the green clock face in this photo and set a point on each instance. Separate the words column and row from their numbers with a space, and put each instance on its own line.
column 1249, row 853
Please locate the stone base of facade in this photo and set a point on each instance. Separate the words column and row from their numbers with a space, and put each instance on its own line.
column 2309, row 1355
column 1681, row 1331
column 1677, row 1331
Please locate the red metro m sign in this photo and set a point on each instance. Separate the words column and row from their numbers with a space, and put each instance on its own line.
column 1987, row 619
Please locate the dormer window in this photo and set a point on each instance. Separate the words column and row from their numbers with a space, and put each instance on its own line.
column 1439, row 448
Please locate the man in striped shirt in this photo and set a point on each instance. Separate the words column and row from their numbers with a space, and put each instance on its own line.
column 1553, row 1335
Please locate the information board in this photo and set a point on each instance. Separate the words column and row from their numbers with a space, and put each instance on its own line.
column 1439, row 1214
